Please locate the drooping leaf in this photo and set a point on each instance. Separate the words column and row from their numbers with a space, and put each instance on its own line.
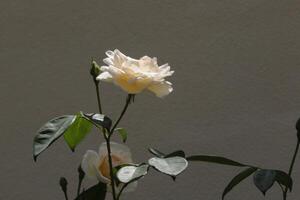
column 123, row 134
column 284, row 179
column 215, row 159
column 99, row 120
column 237, row 179
column 171, row 166
column 77, row 131
column 50, row 132
column 264, row 179
column 156, row 153
column 97, row 192
column 179, row 153
column 129, row 173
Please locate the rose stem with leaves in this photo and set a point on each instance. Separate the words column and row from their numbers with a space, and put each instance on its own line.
column 292, row 166
column 108, row 144
column 107, row 137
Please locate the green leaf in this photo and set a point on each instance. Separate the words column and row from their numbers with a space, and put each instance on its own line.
column 237, row 179
column 77, row 131
column 123, row 134
column 50, row 132
column 99, row 120
column 159, row 154
column 284, row 179
column 264, row 179
column 215, row 159
column 156, row 153
column 129, row 173
column 97, row 192
column 179, row 153
column 171, row 166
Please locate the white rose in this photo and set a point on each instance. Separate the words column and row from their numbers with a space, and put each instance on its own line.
column 134, row 76
column 96, row 165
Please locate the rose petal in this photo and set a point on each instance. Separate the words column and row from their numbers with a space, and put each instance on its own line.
column 136, row 75
column 119, row 150
column 108, row 61
column 161, row 89
column 89, row 164
column 109, row 53
column 105, row 76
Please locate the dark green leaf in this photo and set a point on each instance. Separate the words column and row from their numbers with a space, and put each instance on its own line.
column 284, row 179
column 215, row 159
column 171, row 166
column 77, row 131
column 99, row 120
column 156, row 153
column 97, row 192
column 123, row 134
column 264, row 179
column 237, row 179
column 50, row 132
column 129, row 173
column 179, row 153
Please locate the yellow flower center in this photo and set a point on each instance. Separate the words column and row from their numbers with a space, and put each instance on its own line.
column 131, row 84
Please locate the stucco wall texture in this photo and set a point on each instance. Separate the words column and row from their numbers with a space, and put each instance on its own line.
column 236, row 89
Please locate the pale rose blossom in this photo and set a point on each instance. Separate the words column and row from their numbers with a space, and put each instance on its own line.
column 96, row 166
column 134, row 75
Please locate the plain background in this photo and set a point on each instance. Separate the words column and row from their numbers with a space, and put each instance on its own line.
column 236, row 89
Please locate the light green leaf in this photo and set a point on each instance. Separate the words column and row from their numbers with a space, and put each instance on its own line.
column 129, row 173
column 123, row 134
column 171, row 166
column 50, row 132
column 77, row 131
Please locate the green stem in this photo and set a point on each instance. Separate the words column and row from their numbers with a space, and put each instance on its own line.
column 291, row 167
column 98, row 96
column 122, row 189
column 109, row 149
column 81, row 176
column 79, row 187
column 66, row 196
column 111, row 168
column 129, row 97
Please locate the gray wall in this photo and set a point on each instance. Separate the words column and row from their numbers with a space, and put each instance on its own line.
column 236, row 88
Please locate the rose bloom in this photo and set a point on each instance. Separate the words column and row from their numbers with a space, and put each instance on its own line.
column 96, row 165
column 134, row 75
